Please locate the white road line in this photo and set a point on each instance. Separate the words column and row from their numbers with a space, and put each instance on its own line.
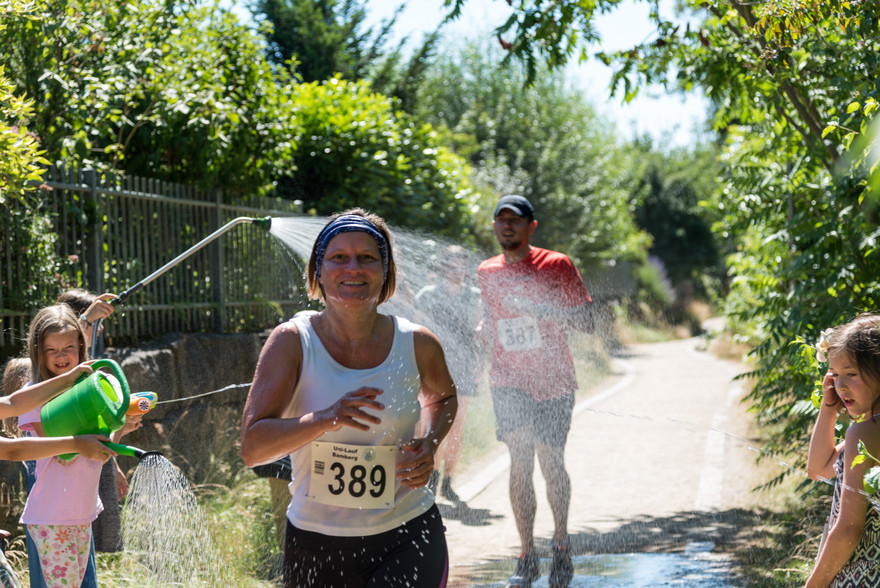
column 497, row 467
column 711, row 485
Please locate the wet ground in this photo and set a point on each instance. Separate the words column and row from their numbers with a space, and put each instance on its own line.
column 698, row 569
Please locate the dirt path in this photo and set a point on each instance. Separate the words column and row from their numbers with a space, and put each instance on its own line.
column 658, row 456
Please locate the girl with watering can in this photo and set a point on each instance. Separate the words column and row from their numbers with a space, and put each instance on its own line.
column 18, row 398
column 64, row 499
column 23, row 398
column 359, row 400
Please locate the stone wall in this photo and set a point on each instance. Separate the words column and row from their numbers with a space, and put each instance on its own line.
column 199, row 435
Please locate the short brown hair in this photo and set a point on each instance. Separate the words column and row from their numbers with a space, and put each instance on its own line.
column 78, row 299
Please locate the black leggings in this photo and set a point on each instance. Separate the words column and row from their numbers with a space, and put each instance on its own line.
column 412, row 555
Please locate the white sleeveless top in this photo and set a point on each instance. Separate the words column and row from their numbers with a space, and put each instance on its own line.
column 322, row 382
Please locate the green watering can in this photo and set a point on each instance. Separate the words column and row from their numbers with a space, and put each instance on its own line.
column 96, row 405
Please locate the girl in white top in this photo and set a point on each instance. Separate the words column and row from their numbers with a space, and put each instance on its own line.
column 360, row 400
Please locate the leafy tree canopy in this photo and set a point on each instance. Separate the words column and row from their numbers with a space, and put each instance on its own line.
column 322, row 38
column 544, row 142
column 355, row 150
column 178, row 93
column 24, row 226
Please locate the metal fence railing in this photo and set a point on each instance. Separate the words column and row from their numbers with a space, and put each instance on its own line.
column 112, row 231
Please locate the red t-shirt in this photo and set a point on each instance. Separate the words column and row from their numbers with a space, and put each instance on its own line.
column 530, row 353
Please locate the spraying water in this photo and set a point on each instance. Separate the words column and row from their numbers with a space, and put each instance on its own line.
column 423, row 262
column 419, row 257
column 162, row 527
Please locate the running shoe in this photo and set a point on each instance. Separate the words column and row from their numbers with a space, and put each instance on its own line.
column 561, row 570
column 448, row 493
column 527, row 571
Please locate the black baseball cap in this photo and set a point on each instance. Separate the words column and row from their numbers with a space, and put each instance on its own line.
column 518, row 204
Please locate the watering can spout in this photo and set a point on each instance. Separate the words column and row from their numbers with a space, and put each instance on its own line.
column 129, row 450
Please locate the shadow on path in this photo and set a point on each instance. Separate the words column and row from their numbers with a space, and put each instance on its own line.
column 472, row 517
column 669, row 534
column 726, row 534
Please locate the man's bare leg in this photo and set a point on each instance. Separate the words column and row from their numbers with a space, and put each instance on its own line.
column 552, row 461
column 521, row 445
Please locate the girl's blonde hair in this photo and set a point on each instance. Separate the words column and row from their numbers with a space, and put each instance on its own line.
column 58, row 318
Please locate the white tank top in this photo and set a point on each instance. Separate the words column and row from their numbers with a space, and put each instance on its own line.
column 322, row 382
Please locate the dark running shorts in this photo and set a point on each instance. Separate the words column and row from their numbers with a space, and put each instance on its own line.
column 277, row 469
column 413, row 555
column 549, row 420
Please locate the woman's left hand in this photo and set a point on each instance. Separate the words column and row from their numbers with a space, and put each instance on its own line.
column 415, row 463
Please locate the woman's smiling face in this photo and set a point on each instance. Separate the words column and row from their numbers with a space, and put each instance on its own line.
column 61, row 351
column 857, row 393
column 352, row 268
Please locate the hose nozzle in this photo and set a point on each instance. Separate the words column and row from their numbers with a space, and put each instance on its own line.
column 265, row 222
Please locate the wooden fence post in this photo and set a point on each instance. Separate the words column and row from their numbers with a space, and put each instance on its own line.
column 93, row 246
column 218, row 285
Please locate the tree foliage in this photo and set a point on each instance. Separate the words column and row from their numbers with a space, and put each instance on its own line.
column 676, row 189
column 319, row 39
column 323, row 39
column 153, row 89
column 544, row 142
column 355, row 150
column 25, row 230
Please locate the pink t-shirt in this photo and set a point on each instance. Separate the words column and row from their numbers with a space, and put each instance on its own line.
column 531, row 354
column 66, row 492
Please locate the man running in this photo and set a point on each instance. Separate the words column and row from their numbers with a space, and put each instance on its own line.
column 532, row 297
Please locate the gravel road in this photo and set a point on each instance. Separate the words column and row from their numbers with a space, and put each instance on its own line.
column 660, row 460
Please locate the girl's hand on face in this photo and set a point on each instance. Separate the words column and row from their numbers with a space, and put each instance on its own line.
column 348, row 411
column 829, row 392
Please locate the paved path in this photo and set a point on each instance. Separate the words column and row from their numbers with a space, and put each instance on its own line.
column 659, row 460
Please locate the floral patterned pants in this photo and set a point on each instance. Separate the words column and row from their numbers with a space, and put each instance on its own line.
column 63, row 551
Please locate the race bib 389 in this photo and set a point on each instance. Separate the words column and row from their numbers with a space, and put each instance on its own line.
column 353, row 476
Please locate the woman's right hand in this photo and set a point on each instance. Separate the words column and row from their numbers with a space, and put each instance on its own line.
column 829, row 392
column 91, row 447
column 348, row 411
